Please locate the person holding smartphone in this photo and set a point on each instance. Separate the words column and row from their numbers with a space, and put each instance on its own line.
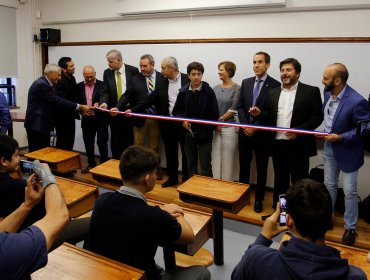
column 305, row 256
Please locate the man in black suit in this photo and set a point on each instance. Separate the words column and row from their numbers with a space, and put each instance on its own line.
column 255, row 92
column 137, row 97
column 116, row 80
column 89, row 94
column 294, row 105
column 42, row 107
column 65, row 126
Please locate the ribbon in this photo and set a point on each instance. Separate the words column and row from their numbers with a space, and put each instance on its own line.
column 217, row 123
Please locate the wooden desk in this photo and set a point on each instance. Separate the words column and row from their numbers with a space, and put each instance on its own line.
column 16, row 117
column 107, row 174
column 220, row 196
column 80, row 197
column 71, row 262
column 355, row 256
column 59, row 160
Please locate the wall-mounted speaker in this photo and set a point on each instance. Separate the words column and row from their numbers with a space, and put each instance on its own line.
column 50, row 35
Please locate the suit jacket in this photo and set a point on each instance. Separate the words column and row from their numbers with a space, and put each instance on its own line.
column 352, row 108
column 108, row 94
column 307, row 114
column 67, row 88
column 42, row 106
column 246, row 97
column 81, row 92
column 136, row 96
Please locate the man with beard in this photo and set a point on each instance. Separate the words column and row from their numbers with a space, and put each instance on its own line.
column 343, row 151
column 293, row 105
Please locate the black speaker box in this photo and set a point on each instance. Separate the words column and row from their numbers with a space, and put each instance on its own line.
column 50, row 35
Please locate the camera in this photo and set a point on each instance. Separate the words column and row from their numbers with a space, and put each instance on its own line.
column 26, row 167
column 282, row 219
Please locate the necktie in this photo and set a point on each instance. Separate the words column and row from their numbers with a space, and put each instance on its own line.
column 119, row 85
column 150, row 85
column 256, row 91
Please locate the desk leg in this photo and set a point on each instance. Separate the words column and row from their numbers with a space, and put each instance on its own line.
column 10, row 129
column 218, row 237
column 169, row 258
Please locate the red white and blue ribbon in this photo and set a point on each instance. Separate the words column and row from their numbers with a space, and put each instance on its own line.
column 216, row 123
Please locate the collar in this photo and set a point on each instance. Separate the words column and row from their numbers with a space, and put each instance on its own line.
column 340, row 95
column 132, row 192
column 50, row 83
column 175, row 80
column 292, row 88
column 263, row 78
column 198, row 88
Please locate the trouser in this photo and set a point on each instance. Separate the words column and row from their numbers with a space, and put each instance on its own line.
column 148, row 133
column 37, row 140
column 172, row 135
column 65, row 129
column 289, row 166
column 121, row 135
column 193, row 272
column 260, row 146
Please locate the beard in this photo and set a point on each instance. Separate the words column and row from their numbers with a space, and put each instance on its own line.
column 330, row 87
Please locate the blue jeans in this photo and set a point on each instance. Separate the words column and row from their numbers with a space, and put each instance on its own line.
column 331, row 176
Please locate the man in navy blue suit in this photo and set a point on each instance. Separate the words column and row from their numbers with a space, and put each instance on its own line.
column 255, row 92
column 343, row 151
column 92, row 125
column 42, row 107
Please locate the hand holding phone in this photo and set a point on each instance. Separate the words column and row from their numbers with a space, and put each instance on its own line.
column 26, row 167
column 282, row 218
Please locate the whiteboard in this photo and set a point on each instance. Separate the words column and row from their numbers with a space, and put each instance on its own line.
column 314, row 57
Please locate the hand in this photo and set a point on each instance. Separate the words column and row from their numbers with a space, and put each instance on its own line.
column 44, row 174
column 254, row 111
column 33, row 192
column 249, row 131
column 218, row 129
column 291, row 135
column 113, row 111
column 103, row 106
column 319, row 136
column 86, row 110
column 173, row 209
column 186, row 125
column 96, row 105
column 333, row 137
column 271, row 227
column 128, row 111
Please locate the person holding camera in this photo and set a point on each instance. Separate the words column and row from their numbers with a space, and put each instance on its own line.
column 309, row 215
column 26, row 251
column 12, row 195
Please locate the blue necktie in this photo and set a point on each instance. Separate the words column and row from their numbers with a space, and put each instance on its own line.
column 256, row 91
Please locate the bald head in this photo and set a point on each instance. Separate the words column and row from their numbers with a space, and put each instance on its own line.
column 340, row 71
column 89, row 75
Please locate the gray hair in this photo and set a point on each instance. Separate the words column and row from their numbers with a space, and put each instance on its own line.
column 52, row 68
column 148, row 57
column 172, row 62
column 116, row 54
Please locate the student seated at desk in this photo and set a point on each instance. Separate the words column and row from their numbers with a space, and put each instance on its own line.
column 125, row 228
column 12, row 195
column 25, row 252
column 305, row 256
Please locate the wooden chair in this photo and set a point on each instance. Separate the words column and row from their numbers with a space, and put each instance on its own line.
column 202, row 257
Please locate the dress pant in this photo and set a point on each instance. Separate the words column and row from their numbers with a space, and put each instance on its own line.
column 258, row 144
column 37, row 140
column 65, row 127
column 173, row 134
column 90, row 129
column 121, row 135
column 224, row 153
column 289, row 166
column 195, row 151
column 148, row 134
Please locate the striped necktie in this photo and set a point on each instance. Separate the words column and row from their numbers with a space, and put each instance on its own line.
column 119, row 85
column 150, row 85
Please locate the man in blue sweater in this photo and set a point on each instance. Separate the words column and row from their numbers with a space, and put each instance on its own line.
column 305, row 255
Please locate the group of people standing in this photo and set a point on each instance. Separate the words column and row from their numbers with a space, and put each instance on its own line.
column 260, row 100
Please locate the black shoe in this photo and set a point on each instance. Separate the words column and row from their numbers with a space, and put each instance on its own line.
column 349, row 237
column 86, row 169
column 169, row 183
column 258, row 206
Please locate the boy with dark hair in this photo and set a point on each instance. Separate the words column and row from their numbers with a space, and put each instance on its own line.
column 12, row 195
column 305, row 255
column 125, row 228
column 197, row 100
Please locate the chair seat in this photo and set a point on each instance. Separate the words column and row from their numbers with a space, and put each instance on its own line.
column 202, row 257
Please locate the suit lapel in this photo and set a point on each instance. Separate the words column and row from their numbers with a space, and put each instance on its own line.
column 340, row 106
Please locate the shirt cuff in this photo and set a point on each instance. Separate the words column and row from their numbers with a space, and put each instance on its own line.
column 78, row 107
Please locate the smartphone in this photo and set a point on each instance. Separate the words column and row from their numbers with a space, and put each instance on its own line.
column 282, row 219
column 26, row 167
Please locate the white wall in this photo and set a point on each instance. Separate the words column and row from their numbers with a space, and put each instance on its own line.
column 98, row 20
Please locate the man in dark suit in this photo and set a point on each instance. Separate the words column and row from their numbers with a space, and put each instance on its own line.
column 42, row 106
column 116, row 80
column 65, row 126
column 255, row 92
column 137, row 95
column 294, row 105
column 343, row 150
column 89, row 94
